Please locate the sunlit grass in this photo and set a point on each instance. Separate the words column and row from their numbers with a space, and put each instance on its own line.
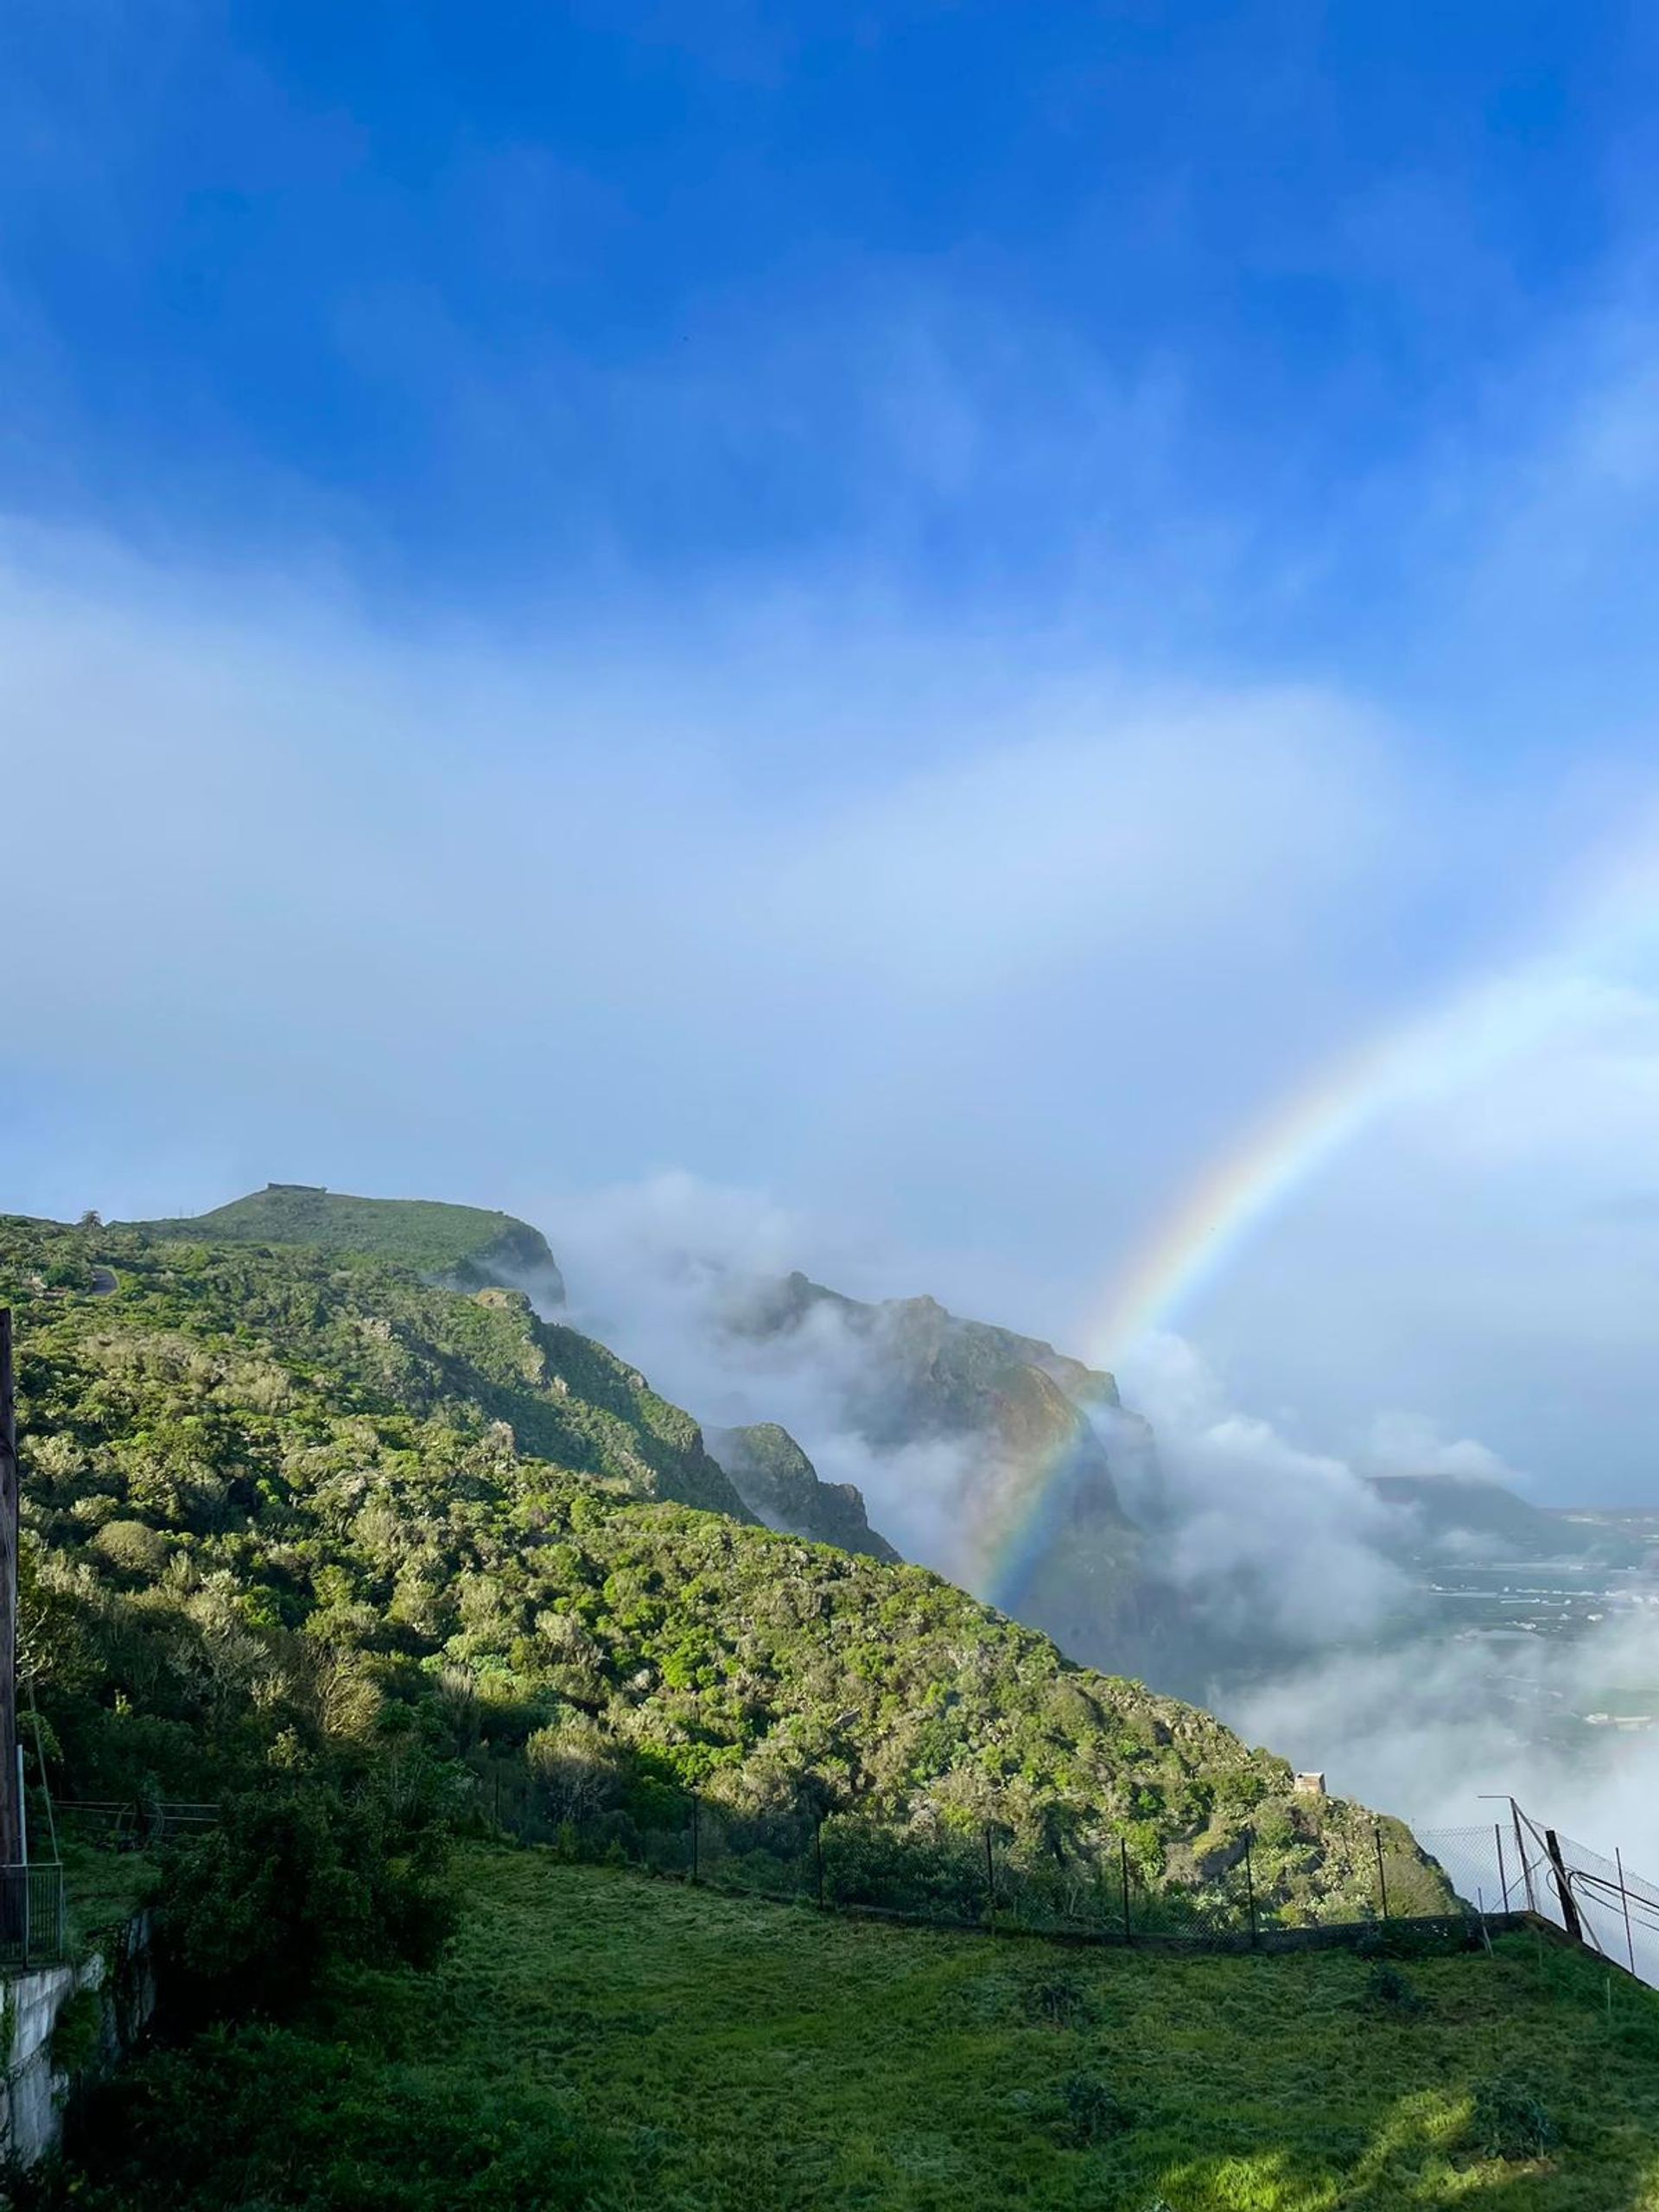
column 737, row 2055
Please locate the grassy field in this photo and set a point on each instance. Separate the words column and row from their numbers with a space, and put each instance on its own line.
column 734, row 2054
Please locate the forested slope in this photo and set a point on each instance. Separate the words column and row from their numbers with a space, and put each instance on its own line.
column 285, row 1507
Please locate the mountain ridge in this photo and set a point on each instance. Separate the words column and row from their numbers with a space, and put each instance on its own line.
column 279, row 1498
column 1441, row 1509
column 1026, row 1422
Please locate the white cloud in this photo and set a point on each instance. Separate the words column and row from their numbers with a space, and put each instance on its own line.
column 1406, row 1444
column 978, row 949
column 1434, row 1733
column 426, row 899
column 1266, row 1538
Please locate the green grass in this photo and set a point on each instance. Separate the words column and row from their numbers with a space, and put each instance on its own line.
column 731, row 2055
column 420, row 1233
column 102, row 1889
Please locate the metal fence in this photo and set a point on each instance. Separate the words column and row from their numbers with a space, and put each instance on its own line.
column 984, row 1877
column 1599, row 1901
column 33, row 1929
column 1480, row 1863
column 1497, row 1873
column 132, row 1824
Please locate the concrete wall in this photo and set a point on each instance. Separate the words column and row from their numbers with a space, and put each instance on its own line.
column 32, row 2091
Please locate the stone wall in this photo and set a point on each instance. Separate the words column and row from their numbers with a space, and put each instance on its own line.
column 35, row 2084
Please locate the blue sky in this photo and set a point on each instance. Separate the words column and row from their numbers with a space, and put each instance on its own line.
column 510, row 304
column 922, row 610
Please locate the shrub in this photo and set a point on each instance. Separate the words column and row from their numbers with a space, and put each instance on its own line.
column 1060, row 2002
column 294, row 1882
column 1089, row 2113
column 132, row 1548
column 262, row 2116
column 934, row 1877
column 78, row 2032
column 1387, row 1987
column 1507, row 2121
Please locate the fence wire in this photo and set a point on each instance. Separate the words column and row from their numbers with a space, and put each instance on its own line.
column 1601, row 1902
column 983, row 1876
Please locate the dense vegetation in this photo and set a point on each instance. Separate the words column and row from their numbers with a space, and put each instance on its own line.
column 598, row 2040
column 291, row 1511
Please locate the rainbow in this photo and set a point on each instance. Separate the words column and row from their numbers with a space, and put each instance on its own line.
column 1189, row 1249
column 1474, row 1029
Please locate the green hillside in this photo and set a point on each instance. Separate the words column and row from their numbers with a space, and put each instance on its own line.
column 601, row 2041
column 468, row 1246
column 284, row 1508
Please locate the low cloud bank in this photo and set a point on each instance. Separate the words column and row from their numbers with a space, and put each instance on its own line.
column 1276, row 1544
column 662, row 1270
column 1261, row 1537
column 1433, row 1731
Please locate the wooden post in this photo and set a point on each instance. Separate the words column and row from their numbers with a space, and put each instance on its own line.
column 1502, row 1876
column 1381, row 1878
column 1569, row 1907
column 11, row 1809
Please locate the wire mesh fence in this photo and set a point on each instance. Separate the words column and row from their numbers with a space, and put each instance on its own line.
column 1600, row 1903
column 984, row 1876
column 1455, row 1881
column 133, row 1824
column 1473, row 1859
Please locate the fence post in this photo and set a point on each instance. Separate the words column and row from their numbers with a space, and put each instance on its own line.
column 1381, row 1878
column 1520, row 1844
column 1502, row 1876
column 1249, row 1887
column 818, row 1853
column 1625, row 1899
column 990, row 1882
column 1123, row 1875
column 694, row 1835
column 1569, row 1906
